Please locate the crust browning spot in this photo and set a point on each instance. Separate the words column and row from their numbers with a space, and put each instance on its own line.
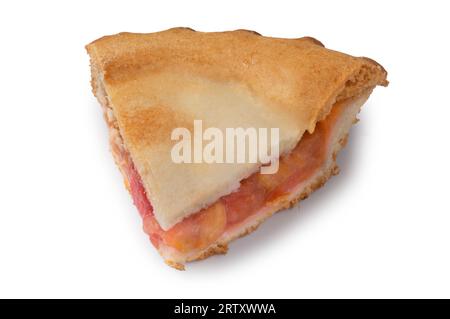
column 151, row 125
column 313, row 40
column 182, row 29
column 248, row 31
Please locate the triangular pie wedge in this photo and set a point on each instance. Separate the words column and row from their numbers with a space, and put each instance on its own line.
column 150, row 84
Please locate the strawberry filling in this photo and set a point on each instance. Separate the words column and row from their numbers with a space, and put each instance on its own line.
column 203, row 228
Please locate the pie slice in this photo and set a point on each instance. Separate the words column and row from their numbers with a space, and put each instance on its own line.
column 150, row 84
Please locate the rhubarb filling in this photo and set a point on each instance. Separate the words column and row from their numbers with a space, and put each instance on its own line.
column 204, row 228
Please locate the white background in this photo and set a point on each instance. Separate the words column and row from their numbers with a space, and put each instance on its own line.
column 381, row 228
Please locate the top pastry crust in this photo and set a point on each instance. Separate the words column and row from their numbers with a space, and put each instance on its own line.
column 160, row 81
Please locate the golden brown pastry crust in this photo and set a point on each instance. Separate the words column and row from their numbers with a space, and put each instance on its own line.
column 286, row 83
column 300, row 75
